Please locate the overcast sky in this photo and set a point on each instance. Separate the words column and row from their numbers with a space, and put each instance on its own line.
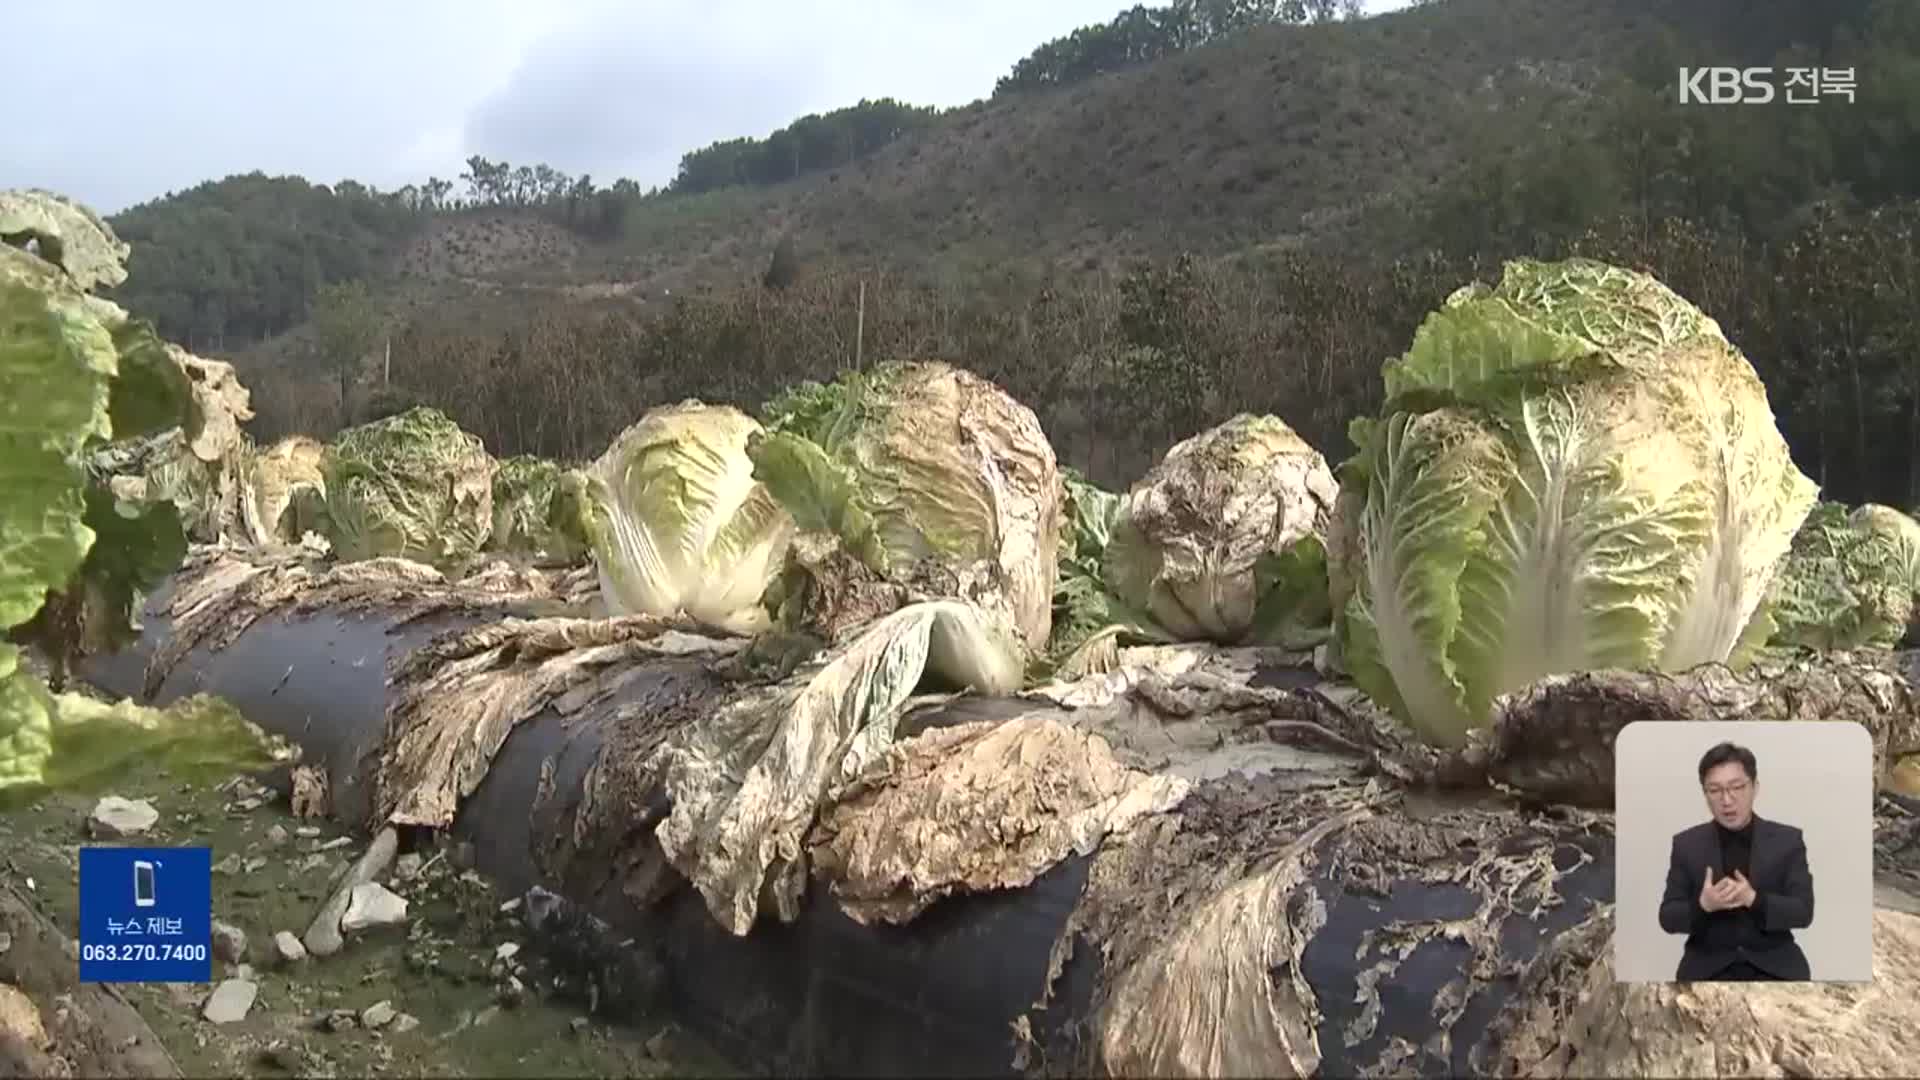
column 120, row 101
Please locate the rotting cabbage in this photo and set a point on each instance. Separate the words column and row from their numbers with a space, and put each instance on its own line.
column 1572, row 470
column 1848, row 582
column 1224, row 540
column 916, row 480
column 535, row 512
column 678, row 523
column 286, row 491
column 81, row 387
column 746, row 781
column 412, row 486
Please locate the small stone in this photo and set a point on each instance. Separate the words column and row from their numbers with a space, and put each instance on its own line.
column 407, row 867
column 510, row 906
column 310, row 863
column 6, row 941
column 289, row 947
column 377, row 1015
column 486, row 1015
column 247, row 805
column 335, row 843
column 307, row 832
column 230, row 1001
column 507, row 951
column 277, row 835
column 229, row 942
column 114, row 817
column 338, row 1020
column 403, row 1023
column 578, row 1025
column 253, row 866
column 229, row 865
column 371, row 905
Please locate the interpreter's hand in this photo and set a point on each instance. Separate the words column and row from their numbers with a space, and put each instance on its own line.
column 1718, row 895
column 1743, row 894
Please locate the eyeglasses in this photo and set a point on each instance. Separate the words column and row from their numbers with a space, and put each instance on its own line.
column 1731, row 789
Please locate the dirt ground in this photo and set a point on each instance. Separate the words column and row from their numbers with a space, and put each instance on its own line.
column 441, row 968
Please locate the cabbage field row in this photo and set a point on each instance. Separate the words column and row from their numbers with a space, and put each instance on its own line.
column 1573, row 470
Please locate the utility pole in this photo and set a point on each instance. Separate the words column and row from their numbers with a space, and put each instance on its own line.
column 860, row 330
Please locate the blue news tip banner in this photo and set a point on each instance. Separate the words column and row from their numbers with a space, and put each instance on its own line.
column 146, row 914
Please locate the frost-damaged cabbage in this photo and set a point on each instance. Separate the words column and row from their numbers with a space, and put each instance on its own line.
column 1848, row 581
column 286, row 491
column 746, row 782
column 914, row 481
column 678, row 523
column 1224, row 539
column 1574, row 470
column 412, row 485
column 80, row 384
column 535, row 513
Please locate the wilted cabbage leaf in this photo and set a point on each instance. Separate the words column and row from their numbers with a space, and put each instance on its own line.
column 1573, row 470
column 745, row 782
column 1224, row 539
column 678, row 523
column 72, row 743
column 1848, row 581
column 932, row 478
column 412, row 486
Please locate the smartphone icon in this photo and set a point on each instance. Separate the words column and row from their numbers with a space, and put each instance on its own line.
column 142, row 883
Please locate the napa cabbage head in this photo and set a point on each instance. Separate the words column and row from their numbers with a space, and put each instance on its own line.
column 1848, row 581
column 915, row 481
column 411, row 486
column 536, row 511
column 1225, row 539
column 1572, row 470
column 678, row 523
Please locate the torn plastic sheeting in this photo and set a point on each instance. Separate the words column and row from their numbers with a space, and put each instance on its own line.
column 455, row 701
column 974, row 808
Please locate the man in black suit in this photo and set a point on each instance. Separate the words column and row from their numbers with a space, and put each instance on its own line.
column 1737, row 886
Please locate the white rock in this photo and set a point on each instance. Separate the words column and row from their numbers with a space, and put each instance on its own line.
column 277, row 835
column 229, row 942
column 114, row 816
column 507, row 951
column 377, row 1015
column 372, row 904
column 289, row 947
column 403, row 1022
column 407, row 866
column 230, row 1001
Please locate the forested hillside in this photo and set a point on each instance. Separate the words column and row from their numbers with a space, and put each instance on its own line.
column 1139, row 246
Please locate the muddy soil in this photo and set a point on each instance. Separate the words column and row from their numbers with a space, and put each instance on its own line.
column 441, row 968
